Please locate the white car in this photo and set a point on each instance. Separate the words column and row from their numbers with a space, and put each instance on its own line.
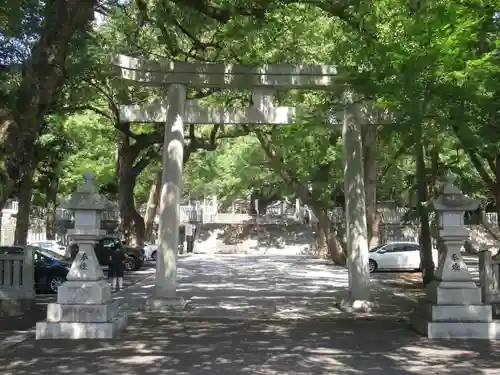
column 397, row 256
column 150, row 251
column 52, row 245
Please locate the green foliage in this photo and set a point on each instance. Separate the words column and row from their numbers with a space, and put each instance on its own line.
column 94, row 149
column 434, row 63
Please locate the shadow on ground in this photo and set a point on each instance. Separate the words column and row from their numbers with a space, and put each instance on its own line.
column 273, row 286
column 154, row 345
column 323, row 342
column 11, row 325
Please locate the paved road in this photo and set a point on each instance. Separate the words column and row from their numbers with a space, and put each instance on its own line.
column 277, row 286
column 163, row 346
column 287, row 286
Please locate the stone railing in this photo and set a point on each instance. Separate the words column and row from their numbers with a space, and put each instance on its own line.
column 489, row 276
column 491, row 217
column 11, row 206
column 16, row 280
column 200, row 213
column 211, row 214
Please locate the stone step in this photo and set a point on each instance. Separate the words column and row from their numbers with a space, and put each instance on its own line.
column 80, row 330
column 455, row 313
column 82, row 313
column 455, row 330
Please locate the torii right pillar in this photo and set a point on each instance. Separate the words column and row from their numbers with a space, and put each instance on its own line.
column 355, row 211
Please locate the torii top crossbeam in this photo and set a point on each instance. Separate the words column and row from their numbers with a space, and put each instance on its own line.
column 241, row 76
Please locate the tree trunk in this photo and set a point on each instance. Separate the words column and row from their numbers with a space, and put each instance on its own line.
column 434, row 185
column 24, row 210
column 275, row 161
column 152, row 207
column 370, row 177
column 425, row 233
column 42, row 75
column 51, row 210
column 497, row 188
column 335, row 249
column 132, row 223
column 321, row 241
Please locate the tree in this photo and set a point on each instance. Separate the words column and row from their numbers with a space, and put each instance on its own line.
column 43, row 73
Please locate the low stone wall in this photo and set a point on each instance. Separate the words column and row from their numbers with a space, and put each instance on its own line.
column 398, row 232
column 241, row 238
column 17, row 294
column 489, row 276
column 480, row 238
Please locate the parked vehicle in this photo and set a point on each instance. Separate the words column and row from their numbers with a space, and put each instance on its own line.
column 397, row 256
column 135, row 256
column 151, row 250
column 51, row 268
column 55, row 246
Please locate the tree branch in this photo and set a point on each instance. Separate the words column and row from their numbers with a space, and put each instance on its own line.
column 81, row 108
column 400, row 152
column 474, row 158
column 145, row 160
column 276, row 163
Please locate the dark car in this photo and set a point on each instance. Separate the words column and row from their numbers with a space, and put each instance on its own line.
column 51, row 268
column 135, row 256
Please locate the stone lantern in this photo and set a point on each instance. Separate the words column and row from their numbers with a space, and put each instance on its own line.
column 87, row 207
column 84, row 308
column 452, row 307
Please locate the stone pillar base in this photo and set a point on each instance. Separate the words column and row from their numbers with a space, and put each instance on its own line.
column 453, row 312
column 17, row 306
column 84, row 311
column 165, row 305
column 455, row 329
column 81, row 330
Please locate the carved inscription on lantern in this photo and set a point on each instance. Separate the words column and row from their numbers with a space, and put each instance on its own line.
column 83, row 262
column 455, row 265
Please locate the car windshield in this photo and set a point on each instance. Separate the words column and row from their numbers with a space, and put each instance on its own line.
column 49, row 253
column 376, row 248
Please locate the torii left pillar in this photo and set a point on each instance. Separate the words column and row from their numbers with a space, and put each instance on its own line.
column 165, row 296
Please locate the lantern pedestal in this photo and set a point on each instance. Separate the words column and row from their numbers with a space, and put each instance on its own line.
column 84, row 308
column 452, row 307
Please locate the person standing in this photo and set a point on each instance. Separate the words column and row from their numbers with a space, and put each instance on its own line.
column 189, row 237
column 73, row 250
column 116, row 266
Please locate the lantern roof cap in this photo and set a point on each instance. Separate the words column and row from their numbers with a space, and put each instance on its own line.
column 87, row 197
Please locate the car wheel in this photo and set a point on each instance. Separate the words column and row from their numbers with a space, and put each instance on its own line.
column 55, row 283
column 153, row 256
column 372, row 266
column 130, row 263
column 138, row 264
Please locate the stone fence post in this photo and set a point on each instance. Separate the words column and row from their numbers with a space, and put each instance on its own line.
column 487, row 277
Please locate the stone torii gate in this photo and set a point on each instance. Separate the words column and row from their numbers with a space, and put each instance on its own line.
column 176, row 111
